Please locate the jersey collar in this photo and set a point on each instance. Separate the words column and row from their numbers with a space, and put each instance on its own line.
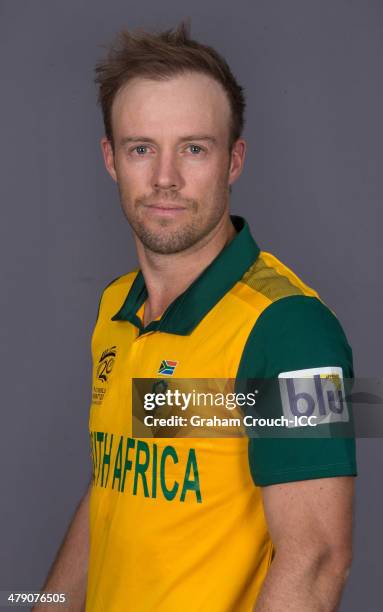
column 189, row 308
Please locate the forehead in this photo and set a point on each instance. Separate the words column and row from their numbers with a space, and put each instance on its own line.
column 187, row 102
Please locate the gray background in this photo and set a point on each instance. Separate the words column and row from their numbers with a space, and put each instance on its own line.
column 312, row 192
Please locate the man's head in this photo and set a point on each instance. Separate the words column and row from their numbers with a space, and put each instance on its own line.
column 173, row 116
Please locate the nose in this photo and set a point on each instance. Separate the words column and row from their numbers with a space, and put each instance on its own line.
column 166, row 174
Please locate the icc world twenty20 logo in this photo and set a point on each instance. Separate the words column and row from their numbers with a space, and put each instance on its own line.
column 105, row 365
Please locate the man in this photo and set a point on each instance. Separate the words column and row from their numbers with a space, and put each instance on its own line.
column 215, row 524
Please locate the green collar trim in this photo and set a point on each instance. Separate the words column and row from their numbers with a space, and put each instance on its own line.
column 189, row 308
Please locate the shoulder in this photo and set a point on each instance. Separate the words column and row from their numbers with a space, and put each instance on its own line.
column 115, row 292
column 120, row 284
column 295, row 328
column 268, row 279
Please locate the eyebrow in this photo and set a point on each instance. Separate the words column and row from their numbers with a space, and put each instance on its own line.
column 200, row 137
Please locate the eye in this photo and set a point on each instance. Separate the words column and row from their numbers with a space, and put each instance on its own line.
column 140, row 149
column 195, row 148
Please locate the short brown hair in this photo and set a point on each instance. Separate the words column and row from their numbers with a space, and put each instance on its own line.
column 159, row 56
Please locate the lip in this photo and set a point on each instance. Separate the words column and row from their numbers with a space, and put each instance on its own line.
column 161, row 206
column 164, row 210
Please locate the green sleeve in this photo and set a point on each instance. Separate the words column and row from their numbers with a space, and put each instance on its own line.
column 294, row 333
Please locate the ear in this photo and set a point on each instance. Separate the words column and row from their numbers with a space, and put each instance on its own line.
column 237, row 160
column 107, row 151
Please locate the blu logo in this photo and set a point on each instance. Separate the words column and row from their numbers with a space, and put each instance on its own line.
column 317, row 392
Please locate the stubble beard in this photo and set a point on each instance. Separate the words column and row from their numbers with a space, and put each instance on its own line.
column 165, row 239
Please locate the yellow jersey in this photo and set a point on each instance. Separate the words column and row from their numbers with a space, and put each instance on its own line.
column 178, row 523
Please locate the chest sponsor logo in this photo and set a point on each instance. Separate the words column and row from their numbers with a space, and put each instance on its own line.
column 167, row 367
column 103, row 372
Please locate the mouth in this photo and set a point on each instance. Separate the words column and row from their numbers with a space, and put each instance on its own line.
column 160, row 208
column 165, row 206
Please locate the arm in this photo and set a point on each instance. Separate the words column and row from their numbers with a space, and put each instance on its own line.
column 68, row 573
column 310, row 523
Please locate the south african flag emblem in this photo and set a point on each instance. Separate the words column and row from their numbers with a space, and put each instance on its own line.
column 167, row 367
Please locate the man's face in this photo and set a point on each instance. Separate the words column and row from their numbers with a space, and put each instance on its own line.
column 171, row 159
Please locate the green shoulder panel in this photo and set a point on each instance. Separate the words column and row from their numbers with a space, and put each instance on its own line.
column 294, row 333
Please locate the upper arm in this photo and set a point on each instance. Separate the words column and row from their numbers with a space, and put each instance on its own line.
column 296, row 333
column 311, row 515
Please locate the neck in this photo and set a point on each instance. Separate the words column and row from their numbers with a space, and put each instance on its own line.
column 167, row 276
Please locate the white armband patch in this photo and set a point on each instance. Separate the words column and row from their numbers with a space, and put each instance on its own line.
column 314, row 392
